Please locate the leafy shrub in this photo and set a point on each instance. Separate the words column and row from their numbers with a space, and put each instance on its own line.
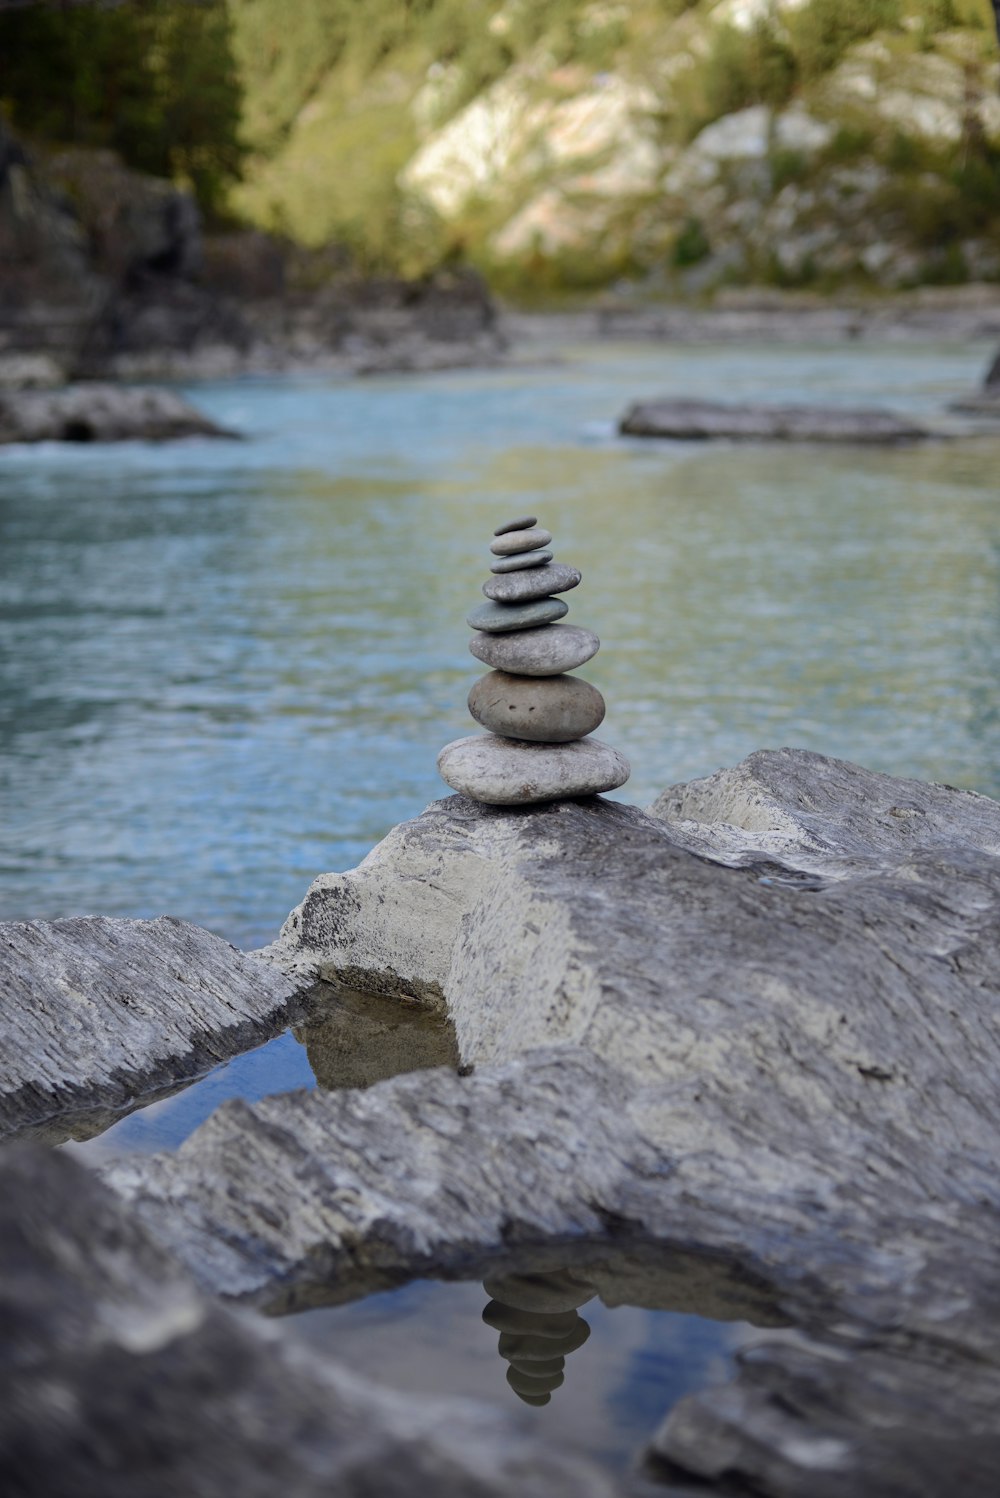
column 822, row 31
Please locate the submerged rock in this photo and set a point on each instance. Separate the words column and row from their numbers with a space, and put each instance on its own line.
column 100, row 413
column 695, row 420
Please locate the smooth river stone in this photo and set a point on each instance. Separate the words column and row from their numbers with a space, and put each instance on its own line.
column 510, row 772
column 538, row 582
column 515, row 541
column 522, row 523
column 518, row 562
column 536, row 652
column 497, row 618
column 546, row 709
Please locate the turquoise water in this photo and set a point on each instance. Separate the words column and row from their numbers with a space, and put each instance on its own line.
column 227, row 666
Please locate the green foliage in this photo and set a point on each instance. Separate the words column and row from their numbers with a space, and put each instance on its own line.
column 691, row 245
column 740, row 68
column 155, row 81
column 822, row 31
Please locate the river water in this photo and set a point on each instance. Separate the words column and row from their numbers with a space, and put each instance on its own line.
column 225, row 667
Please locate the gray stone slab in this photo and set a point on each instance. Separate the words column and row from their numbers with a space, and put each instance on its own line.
column 695, row 420
column 98, row 1013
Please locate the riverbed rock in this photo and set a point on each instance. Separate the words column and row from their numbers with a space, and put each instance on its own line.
column 123, row 1380
column 537, row 582
column 498, row 618
column 94, row 412
column 771, row 1072
column 101, row 1014
column 698, row 420
column 510, row 772
column 554, row 709
column 536, row 652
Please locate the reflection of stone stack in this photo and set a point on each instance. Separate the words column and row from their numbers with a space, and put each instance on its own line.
column 536, row 1316
column 538, row 717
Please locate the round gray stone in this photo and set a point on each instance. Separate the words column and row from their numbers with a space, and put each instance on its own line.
column 520, row 560
column 509, row 772
column 545, row 709
column 537, row 582
column 496, row 618
column 536, row 652
column 515, row 541
column 522, row 523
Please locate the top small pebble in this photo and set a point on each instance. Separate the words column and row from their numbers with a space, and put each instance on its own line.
column 512, row 542
column 522, row 523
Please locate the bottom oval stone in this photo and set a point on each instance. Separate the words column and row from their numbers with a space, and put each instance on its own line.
column 509, row 772
column 550, row 709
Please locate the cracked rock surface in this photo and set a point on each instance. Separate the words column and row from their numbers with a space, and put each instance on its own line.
column 123, row 1381
column 100, row 1013
column 756, row 1029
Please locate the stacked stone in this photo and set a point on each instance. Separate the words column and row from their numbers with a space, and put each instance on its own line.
column 539, row 1325
column 538, row 717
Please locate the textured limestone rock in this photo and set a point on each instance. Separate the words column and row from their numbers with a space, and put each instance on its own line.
column 96, row 1013
column 695, row 420
column 122, row 1380
column 701, row 1073
column 553, row 709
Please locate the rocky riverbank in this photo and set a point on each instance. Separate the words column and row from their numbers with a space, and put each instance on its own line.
column 740, row 1048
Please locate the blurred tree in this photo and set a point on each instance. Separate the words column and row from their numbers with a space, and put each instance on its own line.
column 155, row 81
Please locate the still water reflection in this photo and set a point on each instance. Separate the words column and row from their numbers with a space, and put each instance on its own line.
column 225, row 667
column 599, row 1384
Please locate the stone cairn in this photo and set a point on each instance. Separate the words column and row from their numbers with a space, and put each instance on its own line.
column 538, row 718
column 536, row 1316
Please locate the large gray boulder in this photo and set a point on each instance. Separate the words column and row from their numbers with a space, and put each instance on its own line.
column 95, row 412
column 122, row 1381
column 99, row 1014
column 755, row 1032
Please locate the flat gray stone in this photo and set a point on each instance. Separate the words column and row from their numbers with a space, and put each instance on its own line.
column 515, row 541
column 497, row 618
column 520, row 561
column 536, row 652
column 539, row 582
column 699, row 421
column 545, row 709
column 509, row 772
column 522, row 523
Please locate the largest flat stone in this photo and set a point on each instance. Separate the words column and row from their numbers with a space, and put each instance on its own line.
column 509, row 772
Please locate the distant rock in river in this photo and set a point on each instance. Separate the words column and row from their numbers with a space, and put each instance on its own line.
column 693, row 420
